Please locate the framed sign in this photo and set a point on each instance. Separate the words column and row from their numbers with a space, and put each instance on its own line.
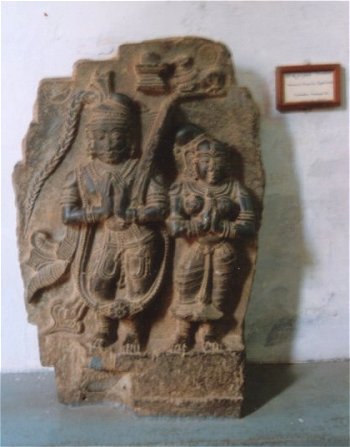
column 303, row 87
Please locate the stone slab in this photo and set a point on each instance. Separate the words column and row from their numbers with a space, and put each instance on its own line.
column 139, row 201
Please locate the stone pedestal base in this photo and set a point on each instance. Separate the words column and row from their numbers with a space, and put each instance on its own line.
column 195, row 383
column 191, row 384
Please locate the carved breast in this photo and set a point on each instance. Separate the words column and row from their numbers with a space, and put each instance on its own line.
column 220, row 198
column 193, row 204
column 227, row 209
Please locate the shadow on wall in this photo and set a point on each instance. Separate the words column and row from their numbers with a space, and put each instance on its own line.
column 283, row 255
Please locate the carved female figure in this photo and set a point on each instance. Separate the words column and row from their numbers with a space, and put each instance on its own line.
column 117, row 255
column 210, row 210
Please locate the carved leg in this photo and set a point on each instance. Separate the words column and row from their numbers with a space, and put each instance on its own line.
column 187, row 283
column 131, row 343
column 103, row 336
column 189, row 274
column 104, row 279
column 183, row 340
column 140, row 268
column 210, row 341
column 224, row 269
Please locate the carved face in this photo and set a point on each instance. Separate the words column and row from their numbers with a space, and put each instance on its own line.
column 209, row 164
column 108, row 143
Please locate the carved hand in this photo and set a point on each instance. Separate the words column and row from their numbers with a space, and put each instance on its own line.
column 217, row 225
column 117, row 223
column 100, row 213
column 106, row 209
column 198, row 227
column 144, row 214
column 177, row 227
column 131, row 215
column 202, row 223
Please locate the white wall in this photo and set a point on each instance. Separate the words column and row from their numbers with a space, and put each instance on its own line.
column 299, row 306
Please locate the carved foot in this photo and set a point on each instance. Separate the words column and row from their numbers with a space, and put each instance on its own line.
column 212, row 345
column 99, row 341
column 103, row 336
column 237, row 343
column 131, row 344
column 181, row 345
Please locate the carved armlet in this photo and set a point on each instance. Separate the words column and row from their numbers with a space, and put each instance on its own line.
column 229, row 230
column 245, row 223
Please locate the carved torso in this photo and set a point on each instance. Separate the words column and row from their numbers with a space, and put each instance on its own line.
column 86, row 185
column 196, row 200
column 92, row 181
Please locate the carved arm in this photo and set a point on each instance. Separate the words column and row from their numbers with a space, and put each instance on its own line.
column 244, row 225
column 73, row 212
column 76, row 215
column 155, row 208
column 245, row 222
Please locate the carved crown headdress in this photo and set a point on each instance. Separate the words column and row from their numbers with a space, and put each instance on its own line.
column 186, row 140
column 190, row 143
column 114, row 108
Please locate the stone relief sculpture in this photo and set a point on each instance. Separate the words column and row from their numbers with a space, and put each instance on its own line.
column 119, row 262
column 122, row 279
column 210, row 209
column 139, row 199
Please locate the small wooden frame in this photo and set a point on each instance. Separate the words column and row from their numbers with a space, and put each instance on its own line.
column 303, row 87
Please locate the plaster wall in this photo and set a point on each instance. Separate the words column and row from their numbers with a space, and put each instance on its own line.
column 299, row 306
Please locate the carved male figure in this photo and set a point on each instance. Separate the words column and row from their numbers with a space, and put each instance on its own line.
column 209, row 209
column 124, row 255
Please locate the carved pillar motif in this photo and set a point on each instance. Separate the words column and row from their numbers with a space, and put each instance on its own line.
column 139, row 200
